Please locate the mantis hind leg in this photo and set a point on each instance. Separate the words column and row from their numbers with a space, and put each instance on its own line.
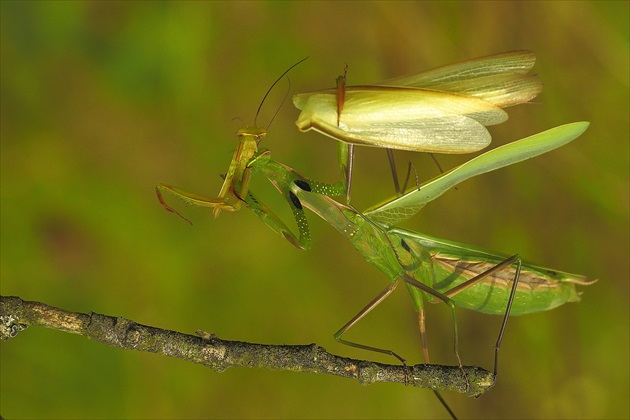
column 362, row 313
column 425, row 346
column 421, row 319
column 392, row 166
column 514, row 259
column 345, row 156
column 368, row 308
column 425, row 356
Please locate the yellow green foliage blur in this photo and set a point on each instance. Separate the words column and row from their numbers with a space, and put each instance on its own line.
column 100, row 101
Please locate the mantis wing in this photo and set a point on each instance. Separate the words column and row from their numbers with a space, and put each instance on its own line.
column 401, row 118
column 402, row 208
column 500, row 78
column 443, row 110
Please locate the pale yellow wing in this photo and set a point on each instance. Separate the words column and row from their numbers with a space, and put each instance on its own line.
column 401, row 118
column 500, row 78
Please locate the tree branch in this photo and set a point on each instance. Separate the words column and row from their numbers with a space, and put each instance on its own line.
column 207, row 349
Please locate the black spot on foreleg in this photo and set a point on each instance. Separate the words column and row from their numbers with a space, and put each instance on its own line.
column 303, row 185
column 295, row 200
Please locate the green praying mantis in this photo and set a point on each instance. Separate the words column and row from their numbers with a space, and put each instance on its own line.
column 432, row 269
column 444, row 110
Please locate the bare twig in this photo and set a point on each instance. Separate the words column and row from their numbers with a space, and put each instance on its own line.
column 207, row 349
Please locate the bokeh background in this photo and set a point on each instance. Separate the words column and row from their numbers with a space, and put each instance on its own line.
column 100, row 101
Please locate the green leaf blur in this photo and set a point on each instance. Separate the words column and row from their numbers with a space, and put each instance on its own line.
column 100, row 101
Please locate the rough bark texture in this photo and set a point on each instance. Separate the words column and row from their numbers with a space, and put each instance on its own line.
column 207, row 349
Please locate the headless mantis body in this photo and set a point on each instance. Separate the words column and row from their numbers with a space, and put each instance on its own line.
column 444, row 110
column 432, row 269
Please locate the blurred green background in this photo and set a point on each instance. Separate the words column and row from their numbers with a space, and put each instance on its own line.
column 102, row 100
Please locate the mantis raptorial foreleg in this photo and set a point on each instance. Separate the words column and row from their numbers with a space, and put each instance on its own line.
column 283, row 177
column 190, row 198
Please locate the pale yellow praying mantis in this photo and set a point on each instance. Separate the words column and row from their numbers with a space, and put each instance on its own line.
column 444, row 110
